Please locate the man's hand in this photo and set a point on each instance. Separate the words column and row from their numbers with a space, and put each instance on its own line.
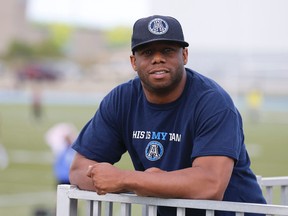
column 106, row 178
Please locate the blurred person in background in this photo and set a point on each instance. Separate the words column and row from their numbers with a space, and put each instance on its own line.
column 36, row 103
column 59, row 138
column 4, row 160
column 254, row 101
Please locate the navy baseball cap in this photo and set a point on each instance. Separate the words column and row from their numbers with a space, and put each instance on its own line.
column 157, row 28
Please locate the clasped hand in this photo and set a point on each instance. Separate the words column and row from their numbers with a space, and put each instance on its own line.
column 106, row 178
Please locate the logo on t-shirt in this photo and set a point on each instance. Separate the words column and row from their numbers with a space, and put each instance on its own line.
column 154, row 151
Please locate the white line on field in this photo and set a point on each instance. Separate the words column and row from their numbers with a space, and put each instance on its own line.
column 33, row 157
column 21, row 199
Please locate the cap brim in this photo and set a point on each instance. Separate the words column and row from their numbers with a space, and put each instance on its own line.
column 182, row 43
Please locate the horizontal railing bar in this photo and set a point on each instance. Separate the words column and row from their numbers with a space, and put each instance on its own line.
column 274, row 181
column 74, row 193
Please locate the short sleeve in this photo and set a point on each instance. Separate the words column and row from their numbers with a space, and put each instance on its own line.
column 219, row 129
column 100, row 139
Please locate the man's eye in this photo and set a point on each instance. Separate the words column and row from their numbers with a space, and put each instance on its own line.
column 147, row 52
column 168, row 50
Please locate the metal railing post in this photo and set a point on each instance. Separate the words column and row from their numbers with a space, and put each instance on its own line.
column 152, row 210
column 65, row 205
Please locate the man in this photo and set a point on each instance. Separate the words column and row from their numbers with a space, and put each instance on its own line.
column 181, row 129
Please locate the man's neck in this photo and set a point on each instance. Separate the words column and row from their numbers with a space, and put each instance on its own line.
column 166, row 97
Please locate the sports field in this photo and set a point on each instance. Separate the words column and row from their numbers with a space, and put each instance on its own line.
column 28, row 183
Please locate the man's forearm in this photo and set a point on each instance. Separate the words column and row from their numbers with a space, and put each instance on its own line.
column 159, row 184
column 78, row 173
column 81, row 180
column 190, row 183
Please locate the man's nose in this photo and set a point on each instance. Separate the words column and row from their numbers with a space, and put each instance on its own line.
column 158, row 58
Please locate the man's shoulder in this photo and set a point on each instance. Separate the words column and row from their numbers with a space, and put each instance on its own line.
column 197, row 76
column 207, row 88
column 126, row 90
column 201, row 81
column 133, row 85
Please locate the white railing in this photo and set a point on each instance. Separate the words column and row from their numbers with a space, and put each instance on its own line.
column 269, row 186
column 69, row 195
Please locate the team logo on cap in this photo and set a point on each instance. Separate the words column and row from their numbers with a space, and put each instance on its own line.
column 154, row 151
column 158, row 26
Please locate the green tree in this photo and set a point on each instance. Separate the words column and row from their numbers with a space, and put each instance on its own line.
column 19, row 49
column 118, row 37
column 53, row 46
column 59, row 35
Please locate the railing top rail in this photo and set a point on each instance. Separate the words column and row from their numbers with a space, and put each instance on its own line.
column 74, row 193
column 274, row 181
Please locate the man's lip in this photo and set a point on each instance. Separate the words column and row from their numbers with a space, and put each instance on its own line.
column 159, row 71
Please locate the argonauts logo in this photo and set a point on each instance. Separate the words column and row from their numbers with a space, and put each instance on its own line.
column 154, row 151
column 158, row 26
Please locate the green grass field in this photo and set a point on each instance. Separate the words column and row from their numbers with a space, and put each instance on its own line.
column 28, row 182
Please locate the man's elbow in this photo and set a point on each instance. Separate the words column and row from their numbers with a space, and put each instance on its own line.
column 207, row 196
column 218, row 195
column 72, row 177
column 212, row 192
column 216, row 191
column 216, row 188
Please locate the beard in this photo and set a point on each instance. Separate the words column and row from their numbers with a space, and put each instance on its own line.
column 162, row 87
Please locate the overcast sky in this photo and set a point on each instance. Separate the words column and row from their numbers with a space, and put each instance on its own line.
column 208, row 24
column 101, row 14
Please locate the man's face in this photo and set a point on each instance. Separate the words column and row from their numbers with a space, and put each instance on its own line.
column 160, row 65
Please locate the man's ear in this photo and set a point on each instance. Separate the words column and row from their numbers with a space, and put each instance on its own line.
column 132, row 61
column 185, row 55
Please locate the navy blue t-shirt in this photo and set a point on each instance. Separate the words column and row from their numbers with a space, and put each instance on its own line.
column 203, row 121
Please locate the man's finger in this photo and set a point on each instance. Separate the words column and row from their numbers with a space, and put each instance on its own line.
column 89, row 171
